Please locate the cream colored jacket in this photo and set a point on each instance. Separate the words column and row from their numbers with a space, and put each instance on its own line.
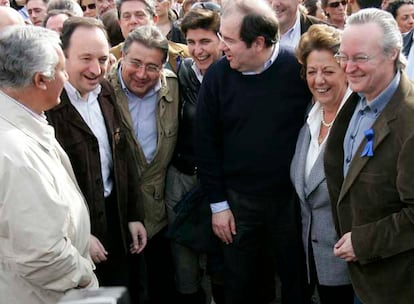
column 44, row 222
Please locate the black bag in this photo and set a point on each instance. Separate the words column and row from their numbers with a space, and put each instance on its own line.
column 192, row 227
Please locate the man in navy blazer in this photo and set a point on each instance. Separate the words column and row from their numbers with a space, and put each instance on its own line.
column 369, row 162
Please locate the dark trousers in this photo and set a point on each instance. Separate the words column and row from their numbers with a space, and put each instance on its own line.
column 160, row 269
column 264, row 225
column 121, row 267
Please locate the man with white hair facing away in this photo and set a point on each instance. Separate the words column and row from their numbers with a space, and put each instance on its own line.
column 44, row 221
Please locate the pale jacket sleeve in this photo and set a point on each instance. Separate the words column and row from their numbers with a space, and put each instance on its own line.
column 39, row 225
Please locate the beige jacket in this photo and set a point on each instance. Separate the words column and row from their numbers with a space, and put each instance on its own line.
column 153, row 174
column 44, row 222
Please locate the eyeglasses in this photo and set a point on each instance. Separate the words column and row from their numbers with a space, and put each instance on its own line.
column 343, row 59
column 226, row 42
column 90, row 6
column 137, row 65
column 336, row 4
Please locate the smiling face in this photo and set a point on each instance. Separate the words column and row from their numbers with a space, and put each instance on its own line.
column 87, row 59
column 405, row 17
column 286, row 12
column 203, row 46
column 325, row 78
column 240, row 57
column 373, row 76
column 141, row 68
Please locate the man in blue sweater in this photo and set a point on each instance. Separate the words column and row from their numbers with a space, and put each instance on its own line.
column 251, row 106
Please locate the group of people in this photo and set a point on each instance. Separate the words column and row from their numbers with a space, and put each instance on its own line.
column 297, row 132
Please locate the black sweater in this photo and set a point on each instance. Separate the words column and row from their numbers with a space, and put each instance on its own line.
column 247, row 126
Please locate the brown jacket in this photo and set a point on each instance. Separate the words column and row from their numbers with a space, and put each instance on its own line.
column 82, row 148
column 153, row 174
column 375, row 201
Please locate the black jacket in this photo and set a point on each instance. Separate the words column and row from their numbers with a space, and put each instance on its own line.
column 183, row 158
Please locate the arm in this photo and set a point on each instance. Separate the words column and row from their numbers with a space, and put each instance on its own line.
column 40, row 230
column 209, row 158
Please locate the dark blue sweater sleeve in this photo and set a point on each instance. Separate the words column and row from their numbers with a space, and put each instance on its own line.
column 209, row 144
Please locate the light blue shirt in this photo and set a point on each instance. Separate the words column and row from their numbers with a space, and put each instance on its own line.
column 363, row 118
column 291, row 38
column 91, row 113
column 144, row 117
column 224, row 205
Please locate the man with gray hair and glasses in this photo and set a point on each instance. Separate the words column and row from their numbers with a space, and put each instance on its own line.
column 369, row 162
column 44, row 221
column 148, row 98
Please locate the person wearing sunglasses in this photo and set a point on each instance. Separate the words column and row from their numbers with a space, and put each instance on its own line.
column 88, row 8
column 335, row 10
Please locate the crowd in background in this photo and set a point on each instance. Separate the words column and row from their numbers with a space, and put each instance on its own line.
column 290, row 122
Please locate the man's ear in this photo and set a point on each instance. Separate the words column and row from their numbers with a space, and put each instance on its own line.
column 39, row 81
column 259, row 43
column 155, row 19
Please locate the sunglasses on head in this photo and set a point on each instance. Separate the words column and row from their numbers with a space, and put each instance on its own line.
column 90, row 6
column 336, row 4
column 211, row 6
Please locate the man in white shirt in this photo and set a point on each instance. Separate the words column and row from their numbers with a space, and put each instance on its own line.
column 292, row 22
column 89, row 127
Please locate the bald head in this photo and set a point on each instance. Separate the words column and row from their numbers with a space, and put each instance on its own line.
column 9, row 16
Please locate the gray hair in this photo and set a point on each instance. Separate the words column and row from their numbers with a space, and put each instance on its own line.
column 25, row 51
column 392, row 39
column 150, row 37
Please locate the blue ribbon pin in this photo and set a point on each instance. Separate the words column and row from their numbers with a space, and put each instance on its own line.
column 369, row 147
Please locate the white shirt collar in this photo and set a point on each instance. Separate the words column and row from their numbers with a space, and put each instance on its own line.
column 74, row 94
column 268, row 62
column 197, row 72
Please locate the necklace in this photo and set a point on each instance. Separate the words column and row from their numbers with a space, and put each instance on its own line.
column 324, row 123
